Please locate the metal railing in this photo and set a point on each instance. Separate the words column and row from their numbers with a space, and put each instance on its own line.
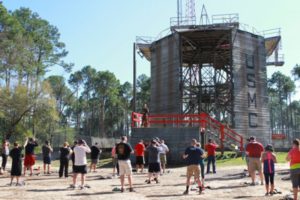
column 202, row 120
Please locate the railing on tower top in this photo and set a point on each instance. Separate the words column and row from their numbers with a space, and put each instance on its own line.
column 201, row 120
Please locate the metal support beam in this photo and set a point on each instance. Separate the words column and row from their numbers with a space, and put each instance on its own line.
column 134, row 77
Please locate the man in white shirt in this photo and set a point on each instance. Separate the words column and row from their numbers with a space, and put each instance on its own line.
column 80, row 165
column 163, row 155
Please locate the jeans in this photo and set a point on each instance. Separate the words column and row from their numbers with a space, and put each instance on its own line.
column 202, row 169
column 211, row 159
column 4, row 160
column 63, row 167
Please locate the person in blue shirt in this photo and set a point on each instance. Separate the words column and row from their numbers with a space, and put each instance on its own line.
column 193, row 155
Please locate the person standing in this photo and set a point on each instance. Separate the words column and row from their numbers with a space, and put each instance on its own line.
column 139, row 156
column 145, row 116
column 47, row 150
column 202, row 166
column 29, row 159
column 193, row 155
column 16, row 166
column 123, row 150
column 163, row 155
column 95, row 155
column 114, row 157
column 64, row 157
column 153, row 161
column 211, row 155
column 294, row 158
column 254, row 150
column 80, row 164
column 269, row 159
column 5, row 153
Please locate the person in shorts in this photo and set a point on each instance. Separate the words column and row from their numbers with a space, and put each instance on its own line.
column 46, row 150
column 254, row 150
column 153, row 161
column 95, row 155
column 294, row 158
column 163, row 155
column 193, row 155
column 123, row 151
column 80, row 164
column 29, row 159
column 139, row 150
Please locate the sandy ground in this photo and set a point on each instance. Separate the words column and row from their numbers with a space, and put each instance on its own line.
column 228, row 183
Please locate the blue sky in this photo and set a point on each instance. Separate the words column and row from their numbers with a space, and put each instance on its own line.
column 101, row 33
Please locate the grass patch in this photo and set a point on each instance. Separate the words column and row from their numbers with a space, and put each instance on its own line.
column 239, row 161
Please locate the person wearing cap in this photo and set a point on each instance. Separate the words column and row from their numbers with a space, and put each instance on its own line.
column 153, row 160
column 269, row 159
column 123, row 151
column 80, row 164
column 163, row 155
column 211, row 155
column 254, row 150
column 193, row 156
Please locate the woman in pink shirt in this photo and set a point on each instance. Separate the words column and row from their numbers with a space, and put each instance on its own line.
column 294, row 158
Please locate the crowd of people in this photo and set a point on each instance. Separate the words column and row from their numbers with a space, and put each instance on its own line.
column 258, row 159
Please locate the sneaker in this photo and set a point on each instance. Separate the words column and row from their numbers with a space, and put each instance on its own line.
column 200, row 189
column 267, row 194
column 81, row 187
column 72, row 186
column 252, row 184
column 186, row 192
column 19, row 184
column 122, row 190
column 148, row 182
column 156, row 180
column 131, row 190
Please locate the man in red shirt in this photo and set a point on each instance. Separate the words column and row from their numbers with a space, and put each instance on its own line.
column 211, row 155
column 254, row 150
column 139, row 153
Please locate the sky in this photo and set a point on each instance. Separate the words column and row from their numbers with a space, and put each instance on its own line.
column 101, row 33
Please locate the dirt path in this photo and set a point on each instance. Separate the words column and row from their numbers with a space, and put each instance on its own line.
column 228, row 183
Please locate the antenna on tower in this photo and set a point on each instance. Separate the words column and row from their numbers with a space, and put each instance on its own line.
column 204, row 19
column 190, row 12
column 179, row 12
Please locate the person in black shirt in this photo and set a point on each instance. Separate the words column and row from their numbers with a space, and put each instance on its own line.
column 65, row 152
column 46, row 150
column 16, row 166
column 123, row 151
column 95, row 154
column 29, row 160
column 73, row 154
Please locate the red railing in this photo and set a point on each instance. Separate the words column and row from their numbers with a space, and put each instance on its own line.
column 202, row 120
